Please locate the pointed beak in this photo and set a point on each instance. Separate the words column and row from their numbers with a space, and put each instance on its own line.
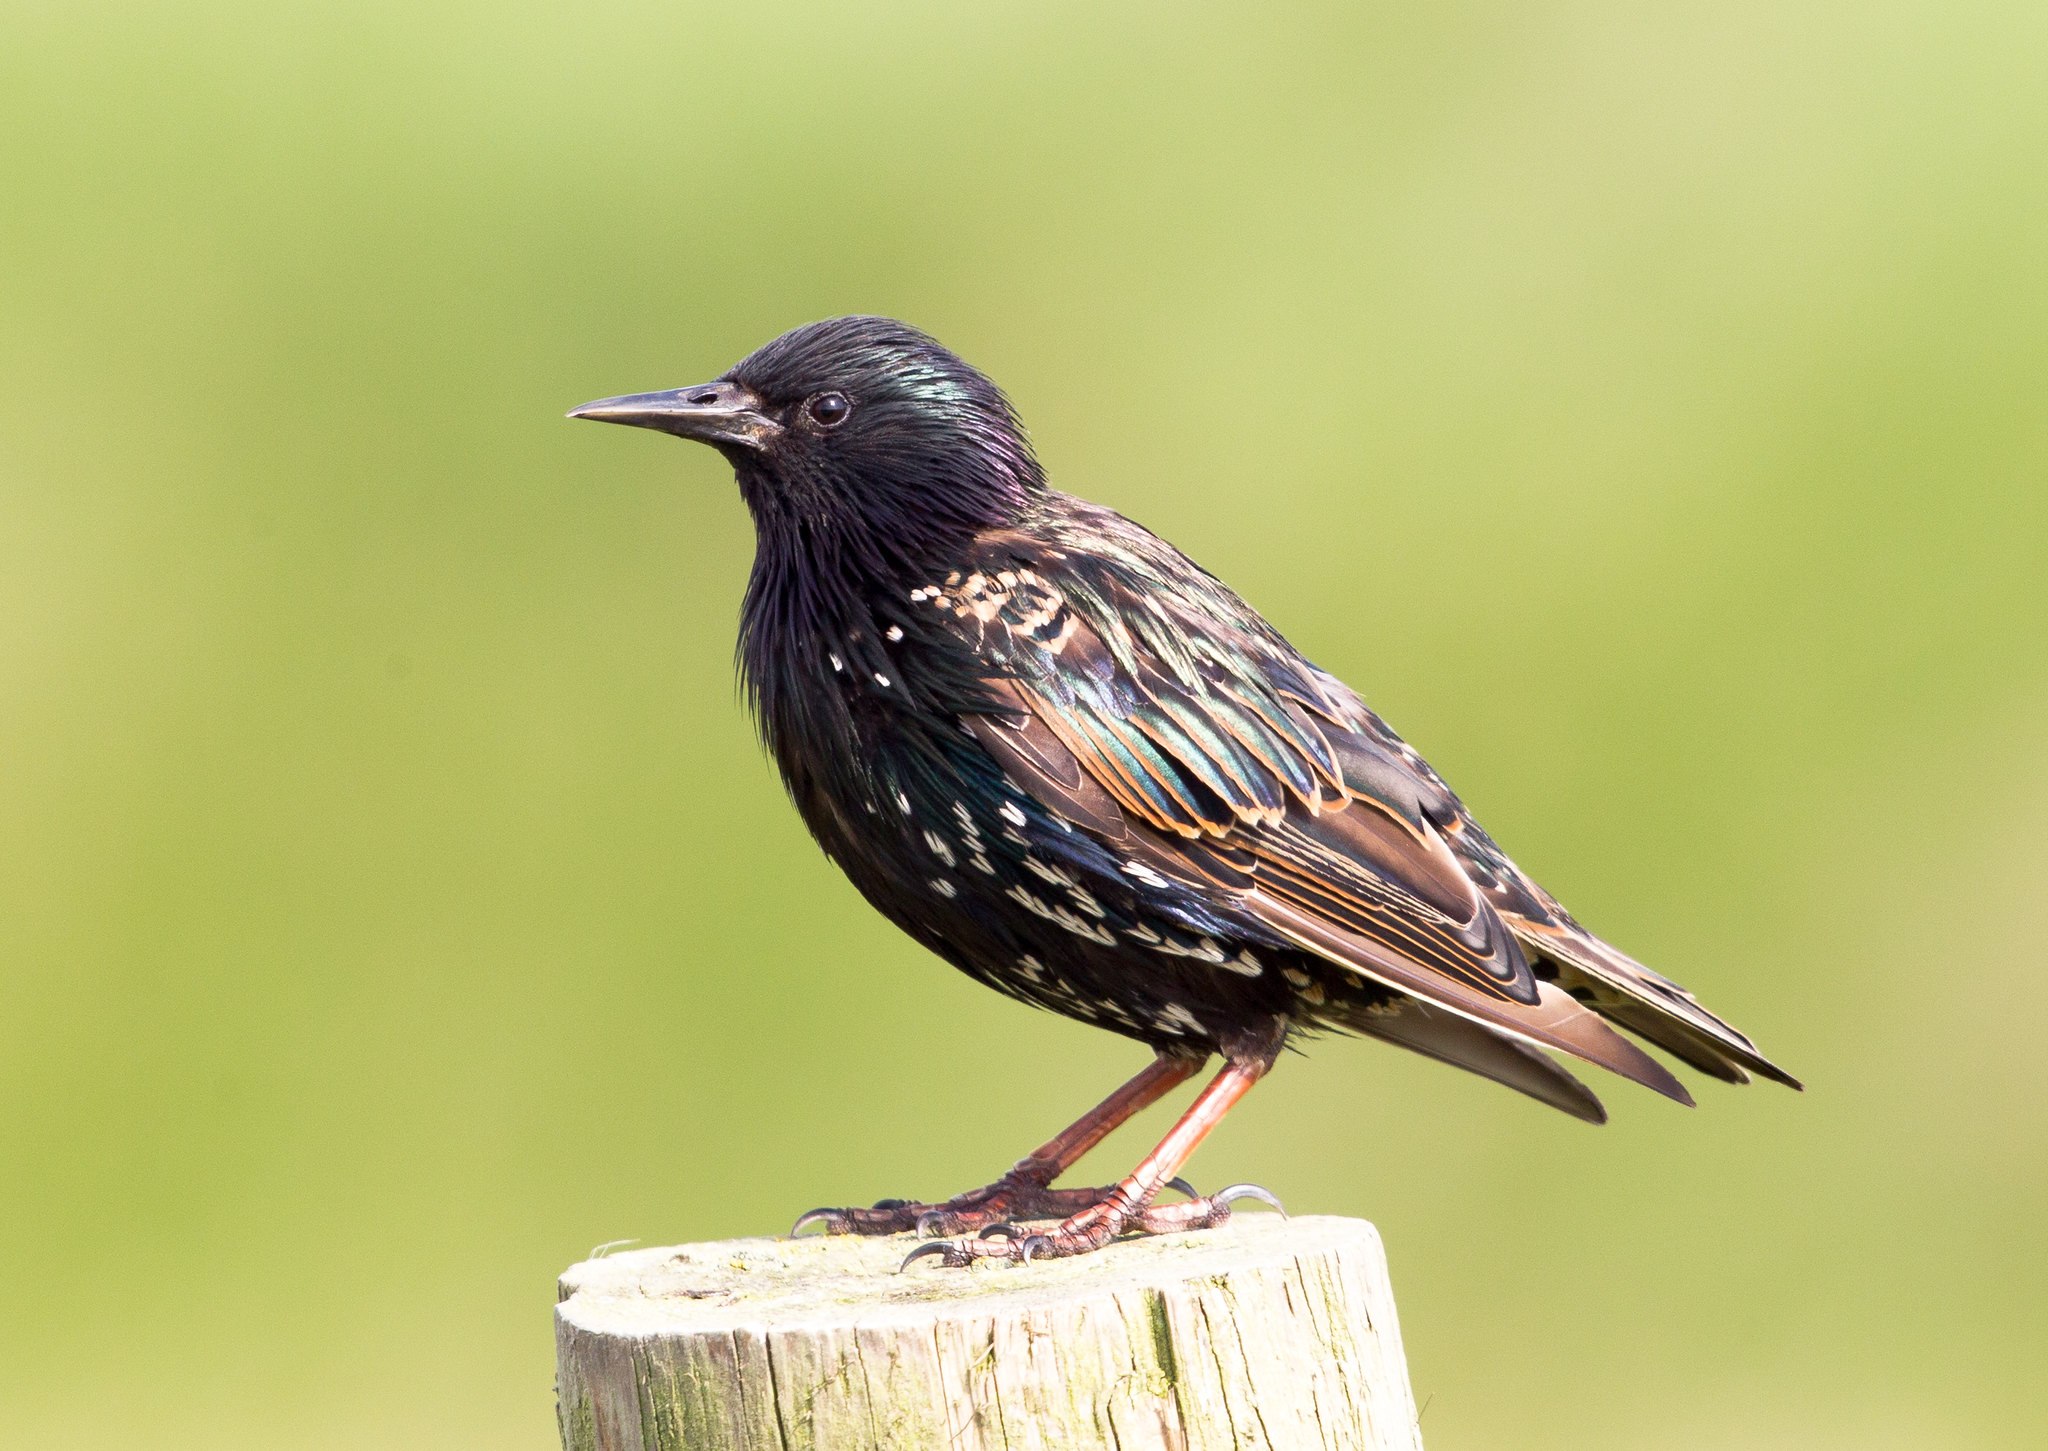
column 714, row 413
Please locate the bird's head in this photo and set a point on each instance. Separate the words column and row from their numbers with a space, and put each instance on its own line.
column 855, row 425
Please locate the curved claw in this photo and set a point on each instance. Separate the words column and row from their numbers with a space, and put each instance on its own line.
column 1236, row 1192
column 1000, row 1227
column 931, row 1224
column 1033, row 1244
column 1183, row 1186
column 815, row 1216
column 892, row 1204
column 943, row 1249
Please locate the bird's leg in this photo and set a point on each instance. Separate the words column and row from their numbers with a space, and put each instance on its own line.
column 1127, row 1207
column 1025, row 1192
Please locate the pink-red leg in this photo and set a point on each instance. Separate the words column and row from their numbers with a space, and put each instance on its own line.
column 1126, row 1207
column 1025, row 1192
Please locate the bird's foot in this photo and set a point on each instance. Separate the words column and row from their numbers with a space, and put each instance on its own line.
column 1114, row 1214
column 1022, row 1194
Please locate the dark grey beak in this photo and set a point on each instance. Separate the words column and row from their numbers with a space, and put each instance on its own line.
column 716, row 413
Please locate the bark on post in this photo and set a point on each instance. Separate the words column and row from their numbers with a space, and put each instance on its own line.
column 1267, row 1333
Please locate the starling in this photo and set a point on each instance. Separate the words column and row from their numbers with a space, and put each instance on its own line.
column 1075, row 765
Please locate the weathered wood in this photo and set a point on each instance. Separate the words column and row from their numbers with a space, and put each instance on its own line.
column 1266, row 1333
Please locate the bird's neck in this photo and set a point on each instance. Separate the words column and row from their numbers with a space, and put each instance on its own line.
column 811, row 593
column 821, row 626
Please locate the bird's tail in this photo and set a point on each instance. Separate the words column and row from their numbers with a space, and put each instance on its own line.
column 1448, row 1037
column 1653, row 1007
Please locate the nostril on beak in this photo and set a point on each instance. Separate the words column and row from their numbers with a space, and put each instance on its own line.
column 709, row 395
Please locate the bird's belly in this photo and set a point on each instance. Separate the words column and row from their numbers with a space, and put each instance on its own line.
column 995, row 884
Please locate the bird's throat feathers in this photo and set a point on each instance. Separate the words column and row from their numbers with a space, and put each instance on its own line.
column 836, row 558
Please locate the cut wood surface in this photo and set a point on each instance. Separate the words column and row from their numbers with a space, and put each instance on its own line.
column 1265, row 1333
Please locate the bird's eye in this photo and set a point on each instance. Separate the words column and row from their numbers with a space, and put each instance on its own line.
column 829, row 410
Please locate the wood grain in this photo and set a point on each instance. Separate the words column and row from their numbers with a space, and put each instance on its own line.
column 1267, row 1333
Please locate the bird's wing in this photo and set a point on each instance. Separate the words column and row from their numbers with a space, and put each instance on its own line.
column 1144, row 702
column 1609, row 981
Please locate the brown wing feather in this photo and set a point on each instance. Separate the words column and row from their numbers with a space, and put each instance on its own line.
column 1026, row 746
column 1324, row 899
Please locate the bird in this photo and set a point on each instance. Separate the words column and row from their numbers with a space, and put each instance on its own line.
column 1078, row 767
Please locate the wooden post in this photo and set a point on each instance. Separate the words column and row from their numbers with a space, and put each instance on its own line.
column 1267, row 1333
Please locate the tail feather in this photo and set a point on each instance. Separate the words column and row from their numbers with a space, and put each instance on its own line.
column 1651, row 1006
column 1413, row 1024
column 1554, row 1020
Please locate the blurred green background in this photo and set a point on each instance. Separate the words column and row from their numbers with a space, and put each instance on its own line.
column 1642, row 405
